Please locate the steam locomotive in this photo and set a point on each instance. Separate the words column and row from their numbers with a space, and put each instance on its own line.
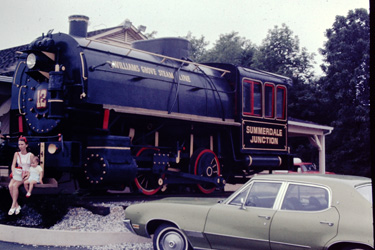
column 146, row 116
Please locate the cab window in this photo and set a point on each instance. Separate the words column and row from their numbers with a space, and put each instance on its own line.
column 281, row 102
column 269, row 98
column 252, row 98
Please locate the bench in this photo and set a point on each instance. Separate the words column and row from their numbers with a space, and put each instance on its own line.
column 47, row 182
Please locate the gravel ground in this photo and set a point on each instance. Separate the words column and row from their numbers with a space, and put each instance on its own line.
column 41, row 212
column 82, row 220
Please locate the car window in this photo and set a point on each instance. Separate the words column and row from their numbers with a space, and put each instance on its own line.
column 305, row 198
column 263, row 194
column 366, row 191
column 241, row 196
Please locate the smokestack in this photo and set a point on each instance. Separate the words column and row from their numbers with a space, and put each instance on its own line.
column 78, row 25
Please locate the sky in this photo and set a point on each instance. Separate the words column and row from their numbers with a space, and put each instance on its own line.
column 24, row 20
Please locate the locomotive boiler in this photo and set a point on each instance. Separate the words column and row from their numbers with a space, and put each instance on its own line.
column 146, row 116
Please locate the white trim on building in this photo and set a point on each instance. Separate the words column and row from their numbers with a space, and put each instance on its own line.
column 316, row 134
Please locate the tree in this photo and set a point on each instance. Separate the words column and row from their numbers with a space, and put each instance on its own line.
column 231, row 48
column 198, row 47
column 345, row 92
column 280, row 53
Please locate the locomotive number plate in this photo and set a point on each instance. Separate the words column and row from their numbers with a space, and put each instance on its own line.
column 41, row 99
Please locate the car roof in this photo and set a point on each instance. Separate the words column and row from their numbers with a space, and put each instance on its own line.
column 324, row 179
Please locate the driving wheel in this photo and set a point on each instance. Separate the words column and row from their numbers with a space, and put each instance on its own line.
column 148, row 182
column 205, row 163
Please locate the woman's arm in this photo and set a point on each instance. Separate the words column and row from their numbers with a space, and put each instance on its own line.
column 14, row 163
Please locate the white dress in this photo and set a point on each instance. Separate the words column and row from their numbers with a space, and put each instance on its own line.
column 23, row 165
column 35, row 173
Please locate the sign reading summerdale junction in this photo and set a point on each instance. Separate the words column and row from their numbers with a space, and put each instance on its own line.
column 264, row 136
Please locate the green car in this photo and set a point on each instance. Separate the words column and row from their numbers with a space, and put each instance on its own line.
column 268, row 212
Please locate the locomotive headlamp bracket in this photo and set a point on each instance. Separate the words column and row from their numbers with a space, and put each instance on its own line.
column 43, row 61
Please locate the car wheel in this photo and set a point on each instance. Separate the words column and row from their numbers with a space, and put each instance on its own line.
column 355, row 247
column 168, row 236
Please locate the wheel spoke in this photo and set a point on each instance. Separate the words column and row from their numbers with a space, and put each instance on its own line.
column 147, row 183
column 206, row 164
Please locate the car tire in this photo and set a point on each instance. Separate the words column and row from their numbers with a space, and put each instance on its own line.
column 355, row 247
column 168, row 236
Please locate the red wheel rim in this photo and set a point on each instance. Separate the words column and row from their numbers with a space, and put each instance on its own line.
column 215, row 165
column 142, row 181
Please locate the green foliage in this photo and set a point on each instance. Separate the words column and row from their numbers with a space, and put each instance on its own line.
column 347, row 57
column 198, row 47
column 339, row 99
column 230, row 48
column 280, row 53
column 345, row 90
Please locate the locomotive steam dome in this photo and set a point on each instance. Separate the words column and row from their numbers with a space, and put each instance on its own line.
column 170, row 46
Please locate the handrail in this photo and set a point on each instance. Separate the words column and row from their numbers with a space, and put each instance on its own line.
column 19, row 99
column 166, row 57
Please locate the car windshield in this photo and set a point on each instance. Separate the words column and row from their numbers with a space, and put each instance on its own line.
column 365, row 191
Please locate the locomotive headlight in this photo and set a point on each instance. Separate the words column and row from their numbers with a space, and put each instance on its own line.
column 52, row 148
column 31, row 61
column 41, row 60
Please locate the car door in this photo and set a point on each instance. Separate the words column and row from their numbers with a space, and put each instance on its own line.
column 243, row 222
column 305, row 219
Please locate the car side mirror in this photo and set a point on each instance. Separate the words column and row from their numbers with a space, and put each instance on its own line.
column 242, row 204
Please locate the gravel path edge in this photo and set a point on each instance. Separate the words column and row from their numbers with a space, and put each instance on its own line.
column 46, row 237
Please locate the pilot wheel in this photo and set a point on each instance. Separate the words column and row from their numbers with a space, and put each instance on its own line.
column 168, row 237
column 205, row 163
column 147, row 182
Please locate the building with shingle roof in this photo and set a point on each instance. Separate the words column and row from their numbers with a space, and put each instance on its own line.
column 121, row 35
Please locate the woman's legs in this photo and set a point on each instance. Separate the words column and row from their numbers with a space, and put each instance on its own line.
column 10, row 186
column 14, row 191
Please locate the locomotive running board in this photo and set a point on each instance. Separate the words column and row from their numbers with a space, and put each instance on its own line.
column 177, row 116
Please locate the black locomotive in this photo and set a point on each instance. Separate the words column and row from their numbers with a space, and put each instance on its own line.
column 146, row 115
